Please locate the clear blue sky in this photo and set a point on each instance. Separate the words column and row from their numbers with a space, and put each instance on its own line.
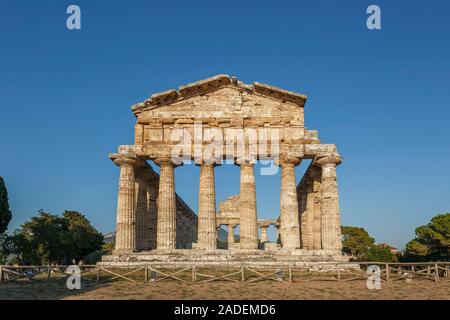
column 382, row 96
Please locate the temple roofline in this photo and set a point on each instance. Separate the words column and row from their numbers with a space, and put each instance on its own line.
column 213, row 83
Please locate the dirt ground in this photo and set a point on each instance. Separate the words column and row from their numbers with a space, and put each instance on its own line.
column 267, row 290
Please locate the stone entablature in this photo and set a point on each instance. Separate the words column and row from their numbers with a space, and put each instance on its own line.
column 309, row 212
column 225, row 104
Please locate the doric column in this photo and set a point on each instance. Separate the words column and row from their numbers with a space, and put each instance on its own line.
column 302, row 203
column 277, row 236
column 309, row 213
column 231, row 234
column 264, row 237
column 289, row 218
column 152, row 207
column 167, row 213
column 217, row 233
column 207, row 238
column 331, row 226
column 126, row 214
column 248, row 216
column 317, row 211
column 142, row 223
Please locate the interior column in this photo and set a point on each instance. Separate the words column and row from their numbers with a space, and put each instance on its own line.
column 248, row 215
column 142, row 225
column 207, row 238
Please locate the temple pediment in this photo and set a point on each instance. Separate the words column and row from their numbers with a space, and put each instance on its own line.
column 220, row 98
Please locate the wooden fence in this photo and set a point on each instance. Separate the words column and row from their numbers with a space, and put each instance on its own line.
column 12, row 273
column 434, row 271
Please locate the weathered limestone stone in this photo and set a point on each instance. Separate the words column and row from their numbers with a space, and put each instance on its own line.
column 309, row 214
column 186, row 221
column 126, row 215
column 151, row 216
column 142, row 222
column 207, row 208
column 248, row 215
column 277, row 234
column 167, row 214
column 152, row 207
column 264, row 237
column 302, row 201
column 310, row 204
column 230, row 205
column 231, row 234
column 317, row 210
column 289, row 219
column 331, row 227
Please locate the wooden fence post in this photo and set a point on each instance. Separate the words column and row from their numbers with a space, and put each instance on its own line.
column 49, row 272
column 387, row 271
column 436, row 273
column 98, row 274
column 145, row 274
column 242, row 274
column 290, row 273
column 339, row 273
column 193, row 275
column 1, row 273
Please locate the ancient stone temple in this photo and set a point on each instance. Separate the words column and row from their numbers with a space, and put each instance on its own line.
column 215, row 122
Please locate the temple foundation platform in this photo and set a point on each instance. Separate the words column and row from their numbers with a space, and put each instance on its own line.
column 316, row 259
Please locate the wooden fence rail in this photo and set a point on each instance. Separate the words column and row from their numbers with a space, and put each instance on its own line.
column 12, row 273
column 434, row 271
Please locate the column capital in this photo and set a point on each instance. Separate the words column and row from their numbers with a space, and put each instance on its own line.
column 288, row 161
column 247, row 161
column 332, row 159
column 245, row 164
column 208, row 164
column 122, row 160
column 166, row 161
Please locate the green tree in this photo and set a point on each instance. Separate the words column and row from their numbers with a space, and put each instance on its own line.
column 48, row 238
column 5, row 218
column 84, row 238
column 44, row 239
column 356, row 242
column 108, row 248
column 381, row 253
column 432, row 241
column 5, row 213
